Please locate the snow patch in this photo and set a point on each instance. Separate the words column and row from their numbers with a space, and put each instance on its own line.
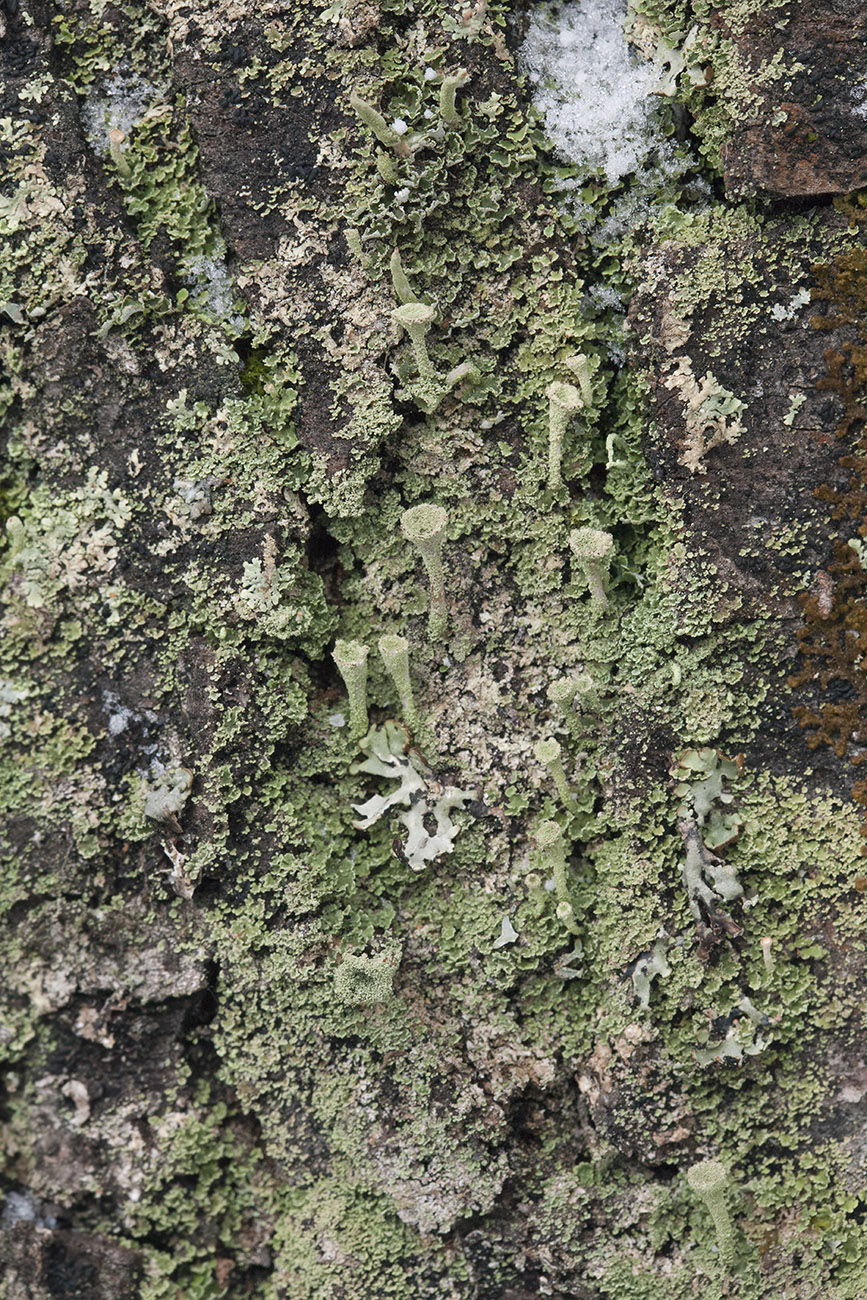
column 593, row 92
column 124, row 100
column 22, row 1207
column 213, row 289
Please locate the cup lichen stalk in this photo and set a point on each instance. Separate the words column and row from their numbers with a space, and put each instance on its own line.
column 16, row 533
column 115, row 140
column 395, row 655
column 610, row 461
column 549, row 839
column 561, row 692
column 548, row 752
column 416, row 317
column 372, row 118
column 536, row 890
column 387, row 170
column 351, row 660
column 579, row 364
column 425, row 526
column 564, row 400
column 403, row 290
column 586, row 698
column 593, row 549
column 566, row 915
column 448, row 108
column 465, row 370
column 708, row 1179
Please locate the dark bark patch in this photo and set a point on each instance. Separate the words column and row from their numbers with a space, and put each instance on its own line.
column 808, row 137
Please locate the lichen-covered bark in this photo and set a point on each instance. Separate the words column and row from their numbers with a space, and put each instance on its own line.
column 439, row 1012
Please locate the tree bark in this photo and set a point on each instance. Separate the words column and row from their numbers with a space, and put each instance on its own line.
column 304, row 1003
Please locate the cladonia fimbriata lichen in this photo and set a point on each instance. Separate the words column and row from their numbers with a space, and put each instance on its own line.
column 387, row 169
column 586, row 697
column 373, row 119
column 709, row 1180
column 448, row 108
column 395, row 655
column 265, row 593
column 580, row 365
column 116, row 140
column 548, row 752
column 416, row 318
column 552, row 848
column 403, row 290
column 425, row 526
column 564, row 400
column 351, row 660
column 561, row 693
column 593, row 550
column 566, row 915
column 429, row 389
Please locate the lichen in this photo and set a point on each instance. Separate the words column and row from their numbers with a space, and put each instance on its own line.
column 212, row 438
column 430, row 804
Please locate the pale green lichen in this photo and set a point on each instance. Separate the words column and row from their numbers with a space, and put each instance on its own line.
column 417, row 1118
column 166, row 794
column 364, row 981
column 564, row 400
column 394, row 651
column 593, row 549
column 711, row 414
column 428, row 819
column 425, row 526
column 402, row 288
column 374, row 121
column 548, row 752
column 650, row 966
column 351, row 660
column 448, row 88
column 709, row 1179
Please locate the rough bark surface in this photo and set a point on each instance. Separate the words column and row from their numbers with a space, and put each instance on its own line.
column 808, row 135
column 296, row 1015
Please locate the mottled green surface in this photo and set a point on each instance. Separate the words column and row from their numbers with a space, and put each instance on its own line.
column 209, row 484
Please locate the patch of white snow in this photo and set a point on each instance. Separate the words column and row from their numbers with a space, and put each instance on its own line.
column 593, row 91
